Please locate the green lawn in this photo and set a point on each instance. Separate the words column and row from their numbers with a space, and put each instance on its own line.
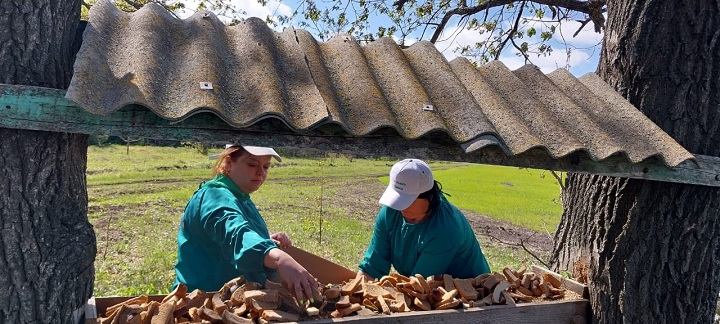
column 526, row 197
column 326, row 205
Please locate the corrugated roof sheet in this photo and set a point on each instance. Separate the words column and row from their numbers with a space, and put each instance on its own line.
column 158, row 61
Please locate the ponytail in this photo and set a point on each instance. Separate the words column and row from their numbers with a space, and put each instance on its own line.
column 433, row 196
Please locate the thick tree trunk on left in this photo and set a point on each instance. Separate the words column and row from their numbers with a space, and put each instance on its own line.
column 47, row 245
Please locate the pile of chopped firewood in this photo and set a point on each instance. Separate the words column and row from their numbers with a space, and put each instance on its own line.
column 239, row 301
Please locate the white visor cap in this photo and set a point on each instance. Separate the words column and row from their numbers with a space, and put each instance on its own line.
column 258, row 150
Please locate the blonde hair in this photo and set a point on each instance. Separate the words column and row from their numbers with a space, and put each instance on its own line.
column 230, row 154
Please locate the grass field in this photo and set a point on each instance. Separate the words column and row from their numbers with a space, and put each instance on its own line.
column 326, row 205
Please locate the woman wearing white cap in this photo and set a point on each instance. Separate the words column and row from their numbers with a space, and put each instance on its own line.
column 418, row 231
column 222, row 235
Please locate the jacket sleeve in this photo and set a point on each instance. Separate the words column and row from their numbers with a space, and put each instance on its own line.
column 226, row 224
column 376, row 262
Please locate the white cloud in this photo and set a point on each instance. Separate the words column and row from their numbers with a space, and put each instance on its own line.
column 583, row 49
column 578, row 62
column 585, row 38
column 251, row 8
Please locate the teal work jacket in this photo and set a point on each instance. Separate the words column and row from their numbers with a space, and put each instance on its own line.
column 443, row 243
column 221, row 237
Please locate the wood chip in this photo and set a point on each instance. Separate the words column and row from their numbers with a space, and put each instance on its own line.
column 422, row 304
column 414, row 293
column 371, row 305
column 231, row 318
column 399, row 277
column 373, row 290
column 416, row 285
column 349, row 310
column 490, row 282
column 263, row 295
column 423, row 283
column 343, row 302
column 497, row 292
column 555, row 282
column 351, row 286
column 465, row 288
column 478, row 281
column 279, row 316
column 383, row 305
column 448, row 279
column 218, row 304
column 392, row 280
column 332, row 292
column 521, row 296
column 448, row 305
column 508, row 298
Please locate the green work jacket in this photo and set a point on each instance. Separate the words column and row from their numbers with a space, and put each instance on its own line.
column 221, row 237
column 443, row 243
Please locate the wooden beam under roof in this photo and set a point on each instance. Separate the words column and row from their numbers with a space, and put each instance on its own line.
column 42, row 109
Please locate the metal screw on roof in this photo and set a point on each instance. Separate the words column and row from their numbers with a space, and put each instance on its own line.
column 428, row 108
column 206, row 15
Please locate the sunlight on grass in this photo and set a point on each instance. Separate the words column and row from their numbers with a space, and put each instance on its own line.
column 136, row 200
column 525, row 197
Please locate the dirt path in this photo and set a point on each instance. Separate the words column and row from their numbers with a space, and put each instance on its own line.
column 502, row 233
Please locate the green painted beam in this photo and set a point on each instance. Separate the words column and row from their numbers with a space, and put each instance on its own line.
column 41, row 109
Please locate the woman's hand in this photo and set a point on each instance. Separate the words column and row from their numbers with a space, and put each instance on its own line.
column 281, row 239
column 360, row 273
column 298, row 280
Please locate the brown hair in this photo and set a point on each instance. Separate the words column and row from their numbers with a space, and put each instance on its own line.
column 230, row 154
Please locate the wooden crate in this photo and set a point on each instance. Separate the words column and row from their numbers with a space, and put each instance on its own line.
column 546, row 312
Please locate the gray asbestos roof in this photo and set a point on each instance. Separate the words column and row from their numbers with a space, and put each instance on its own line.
column 152, row 59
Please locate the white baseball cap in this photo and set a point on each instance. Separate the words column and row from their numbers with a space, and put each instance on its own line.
column 258, row 150
column 408, row 179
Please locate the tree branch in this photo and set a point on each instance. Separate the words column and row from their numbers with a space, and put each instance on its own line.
column 593, row 8
column 465, row 12
column 522, row 245
column 134, row 4
column 511, row 35
column 559, row 179
column 86, row 5
column 399, row 4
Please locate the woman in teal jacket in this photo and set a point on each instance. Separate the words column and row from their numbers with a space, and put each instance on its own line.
column 223, row 236
column 418, row 231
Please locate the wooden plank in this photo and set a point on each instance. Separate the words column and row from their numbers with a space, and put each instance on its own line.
column 556, row 312
column 42, row 109
column 551, row 312
column 325, row 271
column 568, row 284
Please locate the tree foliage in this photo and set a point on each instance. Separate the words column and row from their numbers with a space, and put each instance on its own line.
column 524, row 27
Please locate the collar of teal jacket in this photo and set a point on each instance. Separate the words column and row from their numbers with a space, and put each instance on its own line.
column 223, row 181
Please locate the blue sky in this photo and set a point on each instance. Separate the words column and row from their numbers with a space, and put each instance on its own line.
column 579, row 54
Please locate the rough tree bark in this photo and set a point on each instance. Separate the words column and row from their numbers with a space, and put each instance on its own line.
column 47, row 245
column 653, row 249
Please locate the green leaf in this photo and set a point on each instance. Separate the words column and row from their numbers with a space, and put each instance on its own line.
column 531, row 32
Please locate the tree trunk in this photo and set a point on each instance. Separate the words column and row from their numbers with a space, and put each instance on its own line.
column 651, row 250
column 47, row 245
